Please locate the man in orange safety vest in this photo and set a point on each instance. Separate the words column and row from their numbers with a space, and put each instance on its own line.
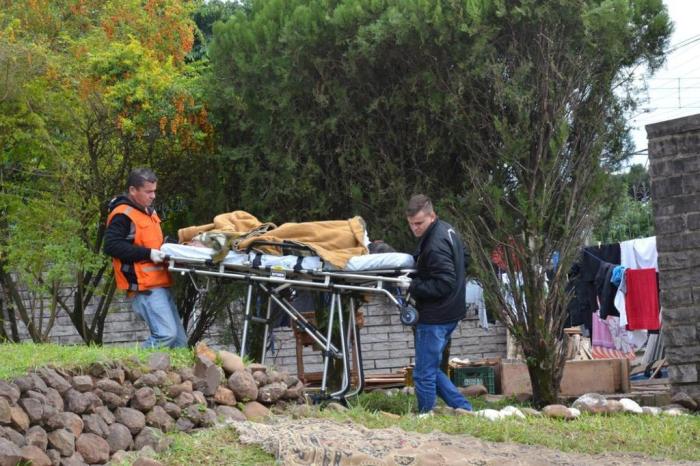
column 133, row 238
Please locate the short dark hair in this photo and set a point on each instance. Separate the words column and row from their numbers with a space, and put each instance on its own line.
column 379, row 247
column 418, row 203
column 140, row 176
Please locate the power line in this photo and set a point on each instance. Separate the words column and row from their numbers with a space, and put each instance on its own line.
column 683, row 43
column 674, row 88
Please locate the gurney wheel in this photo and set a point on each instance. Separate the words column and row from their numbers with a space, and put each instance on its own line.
column 322, row 399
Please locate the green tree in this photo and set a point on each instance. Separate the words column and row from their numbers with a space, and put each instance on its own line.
column 204, row 17
column 625, row 212
column 35, row 128
column 549, row 90
column 343, row 103
column 507, row 113
column 93, row 89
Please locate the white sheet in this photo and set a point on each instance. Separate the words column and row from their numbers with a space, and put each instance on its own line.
column 474, row 296
column 639, row 253
column 185, row 252
column 288, row 262
column 386, row 260
column 368, row 262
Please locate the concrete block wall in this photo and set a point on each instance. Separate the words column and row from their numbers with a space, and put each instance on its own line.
column 122, row 327
column 387, row 345
column 674, row 157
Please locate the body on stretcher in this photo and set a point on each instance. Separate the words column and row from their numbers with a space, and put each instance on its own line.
column 381, row 274
column 369, row 262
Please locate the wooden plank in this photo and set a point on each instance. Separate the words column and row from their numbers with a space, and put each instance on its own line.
column 659, row 364
column 639, row 383
column 595, row 375
column 617, row 375
column 625, row 375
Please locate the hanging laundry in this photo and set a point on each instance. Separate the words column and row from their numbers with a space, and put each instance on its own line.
column 639, row 253
column 617, row 274
column 642, row 299
column 601, row 335
column 475, row 300
column 582, row 275
column 623, row 339
column 620, row 301
column 606, row 290
column 580, row 307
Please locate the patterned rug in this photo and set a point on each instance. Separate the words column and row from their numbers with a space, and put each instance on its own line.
column 600, row 352
column 313, row 441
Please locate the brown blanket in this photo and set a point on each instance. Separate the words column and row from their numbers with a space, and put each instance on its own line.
column 336, row 241
column 236, row 224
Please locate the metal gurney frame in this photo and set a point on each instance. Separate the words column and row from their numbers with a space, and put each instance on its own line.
column 271, row 281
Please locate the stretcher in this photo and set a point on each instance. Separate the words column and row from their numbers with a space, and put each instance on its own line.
column 299, row 269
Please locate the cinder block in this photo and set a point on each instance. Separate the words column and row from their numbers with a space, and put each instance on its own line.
column 680, row 335
column 401, row 353
column 683, row 373
column 670, row 225
column 389, row 345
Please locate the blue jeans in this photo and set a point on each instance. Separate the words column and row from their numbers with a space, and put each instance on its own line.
column 157, row 308
column 429, row 380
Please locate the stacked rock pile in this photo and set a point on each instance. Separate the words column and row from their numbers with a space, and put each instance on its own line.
column 55, row 416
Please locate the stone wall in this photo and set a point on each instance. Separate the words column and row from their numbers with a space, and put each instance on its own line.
column 674, row 156
column 94, row 414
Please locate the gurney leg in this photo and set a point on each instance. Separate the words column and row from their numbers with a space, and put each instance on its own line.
column 267, row 329
column 327, row 353
column 354, row 336
column 246, row 319
column 344, row 352
column 299, row 318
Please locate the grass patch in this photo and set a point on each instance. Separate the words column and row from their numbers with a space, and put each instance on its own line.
column 213, row 447
column 17, row 359
column 662, row 437
column 403, row 404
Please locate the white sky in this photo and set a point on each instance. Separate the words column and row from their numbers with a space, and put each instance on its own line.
column 674, row 91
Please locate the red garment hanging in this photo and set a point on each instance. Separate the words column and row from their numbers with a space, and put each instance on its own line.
column 642, row 299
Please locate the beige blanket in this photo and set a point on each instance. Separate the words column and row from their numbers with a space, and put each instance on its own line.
column 236, row 225
column 336, row 241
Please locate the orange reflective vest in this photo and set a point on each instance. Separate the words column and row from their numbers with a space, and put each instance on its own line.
column 148, row 235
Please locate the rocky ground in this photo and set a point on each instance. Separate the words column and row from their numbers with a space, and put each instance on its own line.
column 55, row 416
column 306, row 441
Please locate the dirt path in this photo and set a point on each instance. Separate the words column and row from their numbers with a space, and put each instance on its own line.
column 313, row 441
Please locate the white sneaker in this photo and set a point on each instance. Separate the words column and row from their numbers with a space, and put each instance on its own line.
column 426, row 415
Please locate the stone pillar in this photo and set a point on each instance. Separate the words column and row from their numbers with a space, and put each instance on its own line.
column 674, row 156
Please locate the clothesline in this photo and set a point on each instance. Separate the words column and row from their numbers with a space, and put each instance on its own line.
column 631, row 301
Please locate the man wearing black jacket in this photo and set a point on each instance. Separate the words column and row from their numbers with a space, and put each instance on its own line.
column 438, row 288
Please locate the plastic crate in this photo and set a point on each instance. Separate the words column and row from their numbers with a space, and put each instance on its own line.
column 484, row 375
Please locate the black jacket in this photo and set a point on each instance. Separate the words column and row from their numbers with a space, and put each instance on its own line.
column 439, row 283
column 119, row 239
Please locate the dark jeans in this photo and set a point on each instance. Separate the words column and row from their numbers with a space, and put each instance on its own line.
column 429, row 380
